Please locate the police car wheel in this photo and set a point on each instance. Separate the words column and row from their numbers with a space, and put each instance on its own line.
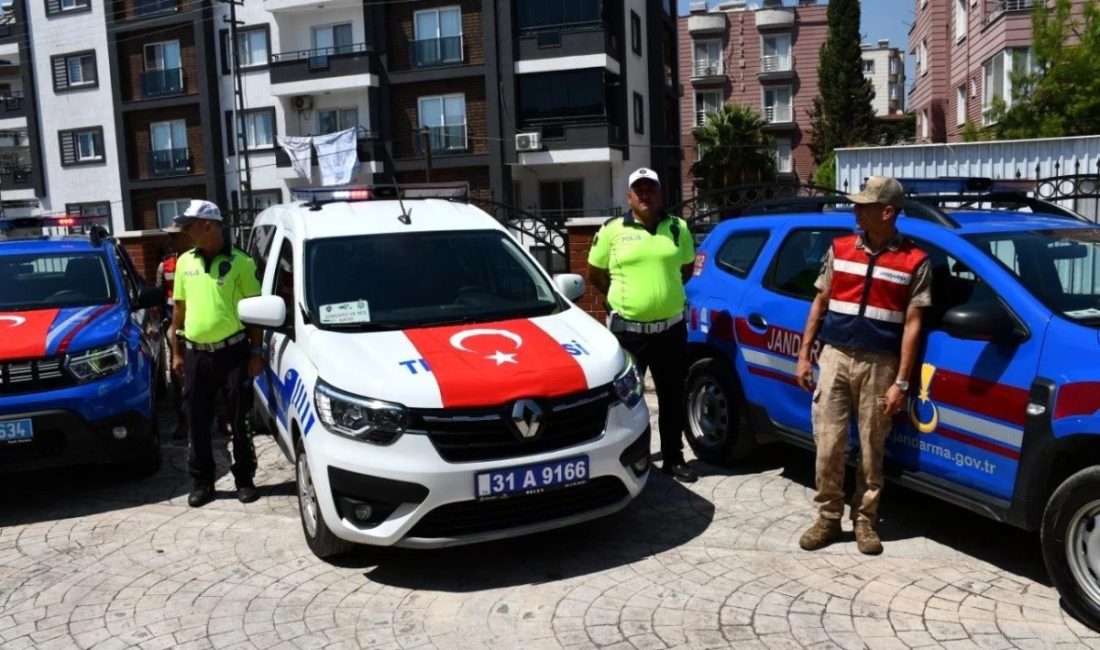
column 716, row 414
column 1071, row 544
column 319, row 537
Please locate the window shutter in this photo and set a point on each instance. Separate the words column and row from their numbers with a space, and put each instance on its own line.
column 97, row 143
column 68, row 147
column 87, row 65
column 60, row 74
column 53, row 7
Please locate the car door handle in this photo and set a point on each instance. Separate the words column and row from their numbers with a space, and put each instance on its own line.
column 758, row 321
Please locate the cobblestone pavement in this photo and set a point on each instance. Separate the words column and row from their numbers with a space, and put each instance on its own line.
column 95, row 561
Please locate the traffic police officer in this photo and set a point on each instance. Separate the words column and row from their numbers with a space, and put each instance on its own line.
column 870, row 294
column 210, row 280
column 640, row 262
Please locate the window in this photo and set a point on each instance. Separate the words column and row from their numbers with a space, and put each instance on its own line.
column 536, row 14
column 438, row 37
column 561, row 199
column 639, row 114
column 259, row 247
column 960, row 20
column 256, row 129
column 706, row 103
column 707, row 58
column 777, row 53
column 169, row 209
column 264, row 199
column 101, row 209
column 925, row 128
column 54, row 7
column 868, row 66
column 738, row 254
column 284, row 282
column 894, row 63
column 162, row 56
column 332, row 39
column 635, row 33
column 71, row 71
column 922, row 58
column 798, row 262
column 782, row 153
column 170, row 153
column 163, row 69
column 445, row 117
column 81, row 146
column 333, row 120
column 252, row 47
column 953, row 284
column 997, row 77
column 960, row 105
column 564, row 95
column 777, row 105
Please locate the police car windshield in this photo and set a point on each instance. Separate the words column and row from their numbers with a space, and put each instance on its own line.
column 50, row 281
column 1059, row 267
column 408, row 280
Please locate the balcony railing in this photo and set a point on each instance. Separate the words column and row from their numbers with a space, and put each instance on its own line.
column 566, row 214
column 706, row 69
column 155, row 83
column 11, row 101
column 442, row 139
column 995, row 8
column 318, row 58
column 774, row 114
column 15, row 176
column 701, row 116
column 428, row 52
column 776, row 63
column 170, row 162
column 148, row 7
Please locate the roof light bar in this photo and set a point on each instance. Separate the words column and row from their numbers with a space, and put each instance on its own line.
column 333, row 194
column 964, row 185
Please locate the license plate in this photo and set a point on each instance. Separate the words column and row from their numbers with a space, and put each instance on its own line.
column 16, row 431
column 530, row 479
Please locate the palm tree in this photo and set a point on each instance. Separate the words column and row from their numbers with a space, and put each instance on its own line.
column 733, row 149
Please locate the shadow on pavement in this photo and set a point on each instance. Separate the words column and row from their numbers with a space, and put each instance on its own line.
column 666, row 515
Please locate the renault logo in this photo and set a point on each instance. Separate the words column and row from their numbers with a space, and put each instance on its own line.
column 527, row 416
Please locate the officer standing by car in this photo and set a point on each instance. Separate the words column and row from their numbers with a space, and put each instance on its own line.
column 640, row 262
column 210, row 280
column 871, row 292
column 166, row 278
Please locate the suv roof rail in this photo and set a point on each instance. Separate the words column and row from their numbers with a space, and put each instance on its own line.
column 912, row 208
column 965, row 185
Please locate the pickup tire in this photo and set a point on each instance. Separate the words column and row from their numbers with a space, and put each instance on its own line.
column 319, row 537
column 717, row 417
column 1071, row 544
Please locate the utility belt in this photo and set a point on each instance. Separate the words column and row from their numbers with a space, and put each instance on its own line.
column 219, row 345
column 616, row 323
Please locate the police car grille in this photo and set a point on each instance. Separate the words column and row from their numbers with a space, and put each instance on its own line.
column 488, row 434
column 472, row 517
column 29, row 376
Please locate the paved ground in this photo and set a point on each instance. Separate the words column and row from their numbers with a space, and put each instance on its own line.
column 90, row 561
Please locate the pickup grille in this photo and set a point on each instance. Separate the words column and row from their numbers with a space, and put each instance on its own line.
column 34, row 375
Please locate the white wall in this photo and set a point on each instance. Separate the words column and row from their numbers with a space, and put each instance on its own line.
column 637, row 80
column 294, row 29
column 600, row 190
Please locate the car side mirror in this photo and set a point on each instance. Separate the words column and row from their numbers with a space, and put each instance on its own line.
column 150, row 298
column 985, row 321
column 263, row 311
column 570, row 285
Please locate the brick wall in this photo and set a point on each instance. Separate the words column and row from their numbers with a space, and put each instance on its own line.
column 144, row 203
column 406, row 118
column 124, row 9
column 579, row 243
column 139, row 139
column 131, row 60
column 476, row 177
column 400, row 26
column 145, row 251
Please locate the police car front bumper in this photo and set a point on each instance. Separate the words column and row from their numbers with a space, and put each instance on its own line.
column 417, row 499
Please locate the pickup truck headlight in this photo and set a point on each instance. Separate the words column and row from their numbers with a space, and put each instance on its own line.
column 628, row 384
column 97, row 362
column 359, row 418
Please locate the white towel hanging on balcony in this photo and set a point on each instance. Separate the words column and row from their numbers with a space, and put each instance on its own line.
column 300, row 151
column 338, row 156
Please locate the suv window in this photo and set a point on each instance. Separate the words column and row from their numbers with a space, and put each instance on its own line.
column 259, row 247
column 798, row 261
column 129, row 275
column 953, row 284
column 739, row 252
column 284, row 282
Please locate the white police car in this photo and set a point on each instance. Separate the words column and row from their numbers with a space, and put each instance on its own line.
column 430, row 381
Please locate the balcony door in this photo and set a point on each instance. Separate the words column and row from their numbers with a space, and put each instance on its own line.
column 169, row 153
column 329, row 40
column 163, row 68
column 777, row 53
column 438, row 37
column 777, row 105
column 445, row 117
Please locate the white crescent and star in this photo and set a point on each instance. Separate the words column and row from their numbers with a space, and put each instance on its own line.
column 500, row 357
column 15, row 321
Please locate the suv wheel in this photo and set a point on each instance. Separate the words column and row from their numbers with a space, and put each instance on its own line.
column 319, row 537
column 1071, row 544
column 717, row 418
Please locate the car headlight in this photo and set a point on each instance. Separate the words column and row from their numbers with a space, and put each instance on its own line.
column 628, row 385
column 359, row 418
column 97, row 362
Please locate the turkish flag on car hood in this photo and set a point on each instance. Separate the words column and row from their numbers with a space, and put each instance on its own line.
column 23, row 334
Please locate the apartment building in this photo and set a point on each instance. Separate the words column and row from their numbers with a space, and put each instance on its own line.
column 964, row 52
column 884, row 67
column 763, row 57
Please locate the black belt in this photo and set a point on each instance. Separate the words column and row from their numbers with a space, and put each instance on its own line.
column 214, row 347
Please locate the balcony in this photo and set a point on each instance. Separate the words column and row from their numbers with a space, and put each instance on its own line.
column 779, row 117
column 443, row 140
column 290, row 5
column 170, row 162
column 14, row 139
column 159, row 83
column 142, row 8
column 714, row 23
column 12, row 105
column 432, row 52
column 574, row 140
column 16, row 177
column 994, row 9
column 569, row 39
column 776, row 67
column 365, row 146
column 768, row 19
column 707, row 72
column 316, row 70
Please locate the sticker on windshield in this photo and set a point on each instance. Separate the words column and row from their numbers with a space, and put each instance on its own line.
column 342, row 313
column 1091, row 312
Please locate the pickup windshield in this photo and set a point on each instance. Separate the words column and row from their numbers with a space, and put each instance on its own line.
column 50, row 281
column 1059, row 267
column 408, row 280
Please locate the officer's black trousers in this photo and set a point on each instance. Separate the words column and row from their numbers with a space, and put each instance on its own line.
column 665, row 354
column 204, row 375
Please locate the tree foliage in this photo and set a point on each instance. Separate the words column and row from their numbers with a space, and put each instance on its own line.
column 842, row 114
column 733, row 148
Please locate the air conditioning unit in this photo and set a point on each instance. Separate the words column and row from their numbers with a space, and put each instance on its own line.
column 302, row 102
column 529, row 141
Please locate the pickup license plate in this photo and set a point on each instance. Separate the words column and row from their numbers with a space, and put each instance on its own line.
column 16, row 431
column 530, row 479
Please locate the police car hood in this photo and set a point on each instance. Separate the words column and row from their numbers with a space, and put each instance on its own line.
column 38, row 333
column 471, row 365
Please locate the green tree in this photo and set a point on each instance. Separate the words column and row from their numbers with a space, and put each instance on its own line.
column 825, row 174
column 1060, row 94
column 733, row 149
column 842, row 113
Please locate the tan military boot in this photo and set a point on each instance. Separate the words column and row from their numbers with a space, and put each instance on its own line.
column 822, row 533
column 867, row 540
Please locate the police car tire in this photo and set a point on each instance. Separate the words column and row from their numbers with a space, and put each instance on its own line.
column 738, row 441
column 323, row 543
column 1067, row 501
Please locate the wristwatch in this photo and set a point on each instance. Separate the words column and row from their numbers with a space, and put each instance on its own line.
column 902, row 384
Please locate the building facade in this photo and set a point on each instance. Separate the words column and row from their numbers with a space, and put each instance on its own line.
column 884, row 67
column 762, row 57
